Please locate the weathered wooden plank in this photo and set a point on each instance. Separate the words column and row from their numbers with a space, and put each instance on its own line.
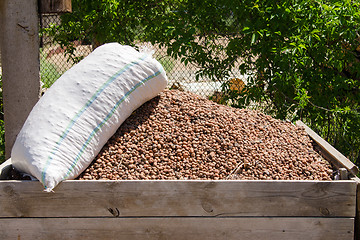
column 178, row 228
column 55, row 6
column 179, row 198
column 329, row 152
column 357, row 218
column 343, row 174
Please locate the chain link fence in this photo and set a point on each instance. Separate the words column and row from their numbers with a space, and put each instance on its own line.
column 54, row 62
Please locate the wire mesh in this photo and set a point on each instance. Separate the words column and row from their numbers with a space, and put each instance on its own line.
column 54, row 62
column 53, row 59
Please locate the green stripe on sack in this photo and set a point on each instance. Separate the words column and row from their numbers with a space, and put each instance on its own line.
column 83, row 109
column 98, row 127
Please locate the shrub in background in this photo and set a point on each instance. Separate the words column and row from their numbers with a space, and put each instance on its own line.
column 48, row 72
column 302, row 58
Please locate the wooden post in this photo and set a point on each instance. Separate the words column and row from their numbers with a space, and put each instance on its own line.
column 329, row 152
column 55, row 6
column 19, row 41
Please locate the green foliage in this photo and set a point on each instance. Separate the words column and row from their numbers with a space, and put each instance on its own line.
column 302, row 57
column 167, row 63
column 100, row 21
column 48, row 72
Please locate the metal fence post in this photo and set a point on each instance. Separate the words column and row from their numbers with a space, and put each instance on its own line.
column 19, row 39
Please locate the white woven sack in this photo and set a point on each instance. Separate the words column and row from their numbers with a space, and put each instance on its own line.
column 74, row 119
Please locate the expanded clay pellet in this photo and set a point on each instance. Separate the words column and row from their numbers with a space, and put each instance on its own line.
column 179, row 135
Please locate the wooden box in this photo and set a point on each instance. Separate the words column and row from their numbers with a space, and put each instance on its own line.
column 224, row 209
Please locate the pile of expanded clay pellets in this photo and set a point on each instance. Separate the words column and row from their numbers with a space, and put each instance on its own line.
column 179, row 135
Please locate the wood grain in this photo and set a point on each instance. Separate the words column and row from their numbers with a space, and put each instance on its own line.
column 329, row 152
column 179, row 198
column 178, row 228
column 357, row 218
column 55, row 6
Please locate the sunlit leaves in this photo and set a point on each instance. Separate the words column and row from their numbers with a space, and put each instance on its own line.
column 302, row 58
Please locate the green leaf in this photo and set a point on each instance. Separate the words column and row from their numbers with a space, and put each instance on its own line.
column 253, row 38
